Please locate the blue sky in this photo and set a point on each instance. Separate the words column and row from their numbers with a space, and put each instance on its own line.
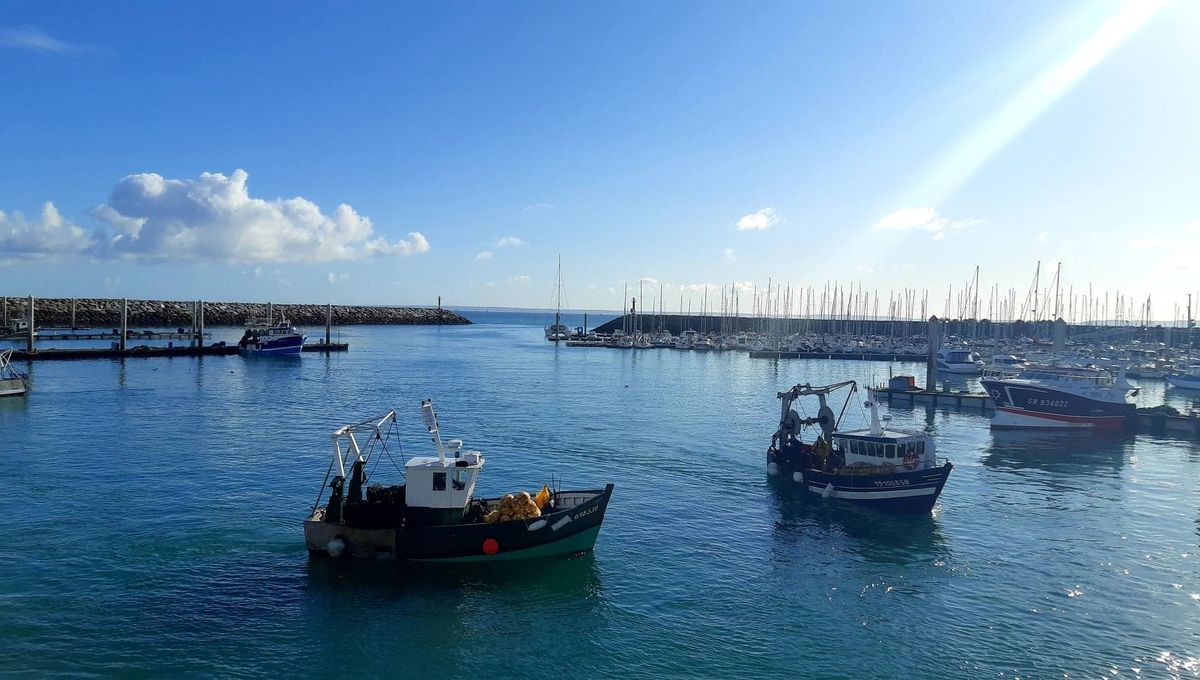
column 893, row 144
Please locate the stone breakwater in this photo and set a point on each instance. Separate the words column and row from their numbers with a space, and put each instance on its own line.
column 106, row 313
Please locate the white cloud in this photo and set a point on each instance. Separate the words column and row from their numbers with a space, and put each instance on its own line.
column 1043, row 236
column 510, row 242
column 520, row 278
column 1150, row 243
column 648, row 281
column 537, row 207
column 490, row 284
column 214, row 218
column 48, row 235
column 337, row 278
column 921, row 219
column 762, row 219
column 483, row 256
column 35, row 39
column 728, row 253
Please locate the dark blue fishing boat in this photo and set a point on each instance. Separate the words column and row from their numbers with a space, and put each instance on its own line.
column 894, row 470
column 279, row 338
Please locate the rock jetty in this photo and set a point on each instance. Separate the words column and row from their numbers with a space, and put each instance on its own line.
column 106, row 313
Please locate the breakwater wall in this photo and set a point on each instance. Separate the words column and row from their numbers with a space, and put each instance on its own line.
column 965, row 328
column 104, row 312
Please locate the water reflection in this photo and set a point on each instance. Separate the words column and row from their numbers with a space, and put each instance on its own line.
column 539, row 579
column 876, row 536
column 1068, row 452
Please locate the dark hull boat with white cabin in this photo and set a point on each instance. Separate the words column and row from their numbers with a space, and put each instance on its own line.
column 893, row 470
column 433, row 516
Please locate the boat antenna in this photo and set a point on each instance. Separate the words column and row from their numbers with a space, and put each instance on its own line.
column 430, row 418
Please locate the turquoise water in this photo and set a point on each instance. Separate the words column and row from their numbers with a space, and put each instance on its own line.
column 151, row 525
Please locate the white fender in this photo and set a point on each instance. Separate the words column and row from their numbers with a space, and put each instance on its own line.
column 797, row 477
column 335, row 547
column 828, row 491
column 535, row 525
column 772, row 468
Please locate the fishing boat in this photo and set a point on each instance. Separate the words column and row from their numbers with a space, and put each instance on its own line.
column 880, row 467
column 263, row 338
column 13, row 383
column 433, row 515
column 1061, row 397
column 952, row 360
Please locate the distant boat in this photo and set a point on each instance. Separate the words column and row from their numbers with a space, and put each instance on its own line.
column 958, row 361
column 1187, row 381
column 13, row 383
column 1061, row 397
column 558, row 330
column 271, row 339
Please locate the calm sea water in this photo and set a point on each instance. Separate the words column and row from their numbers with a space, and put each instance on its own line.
column 151, row 524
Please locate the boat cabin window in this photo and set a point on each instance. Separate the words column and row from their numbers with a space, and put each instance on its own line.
column 460, row 480
column 891, row 450
column 920, row 448
column 439, row 481
column 855, row 446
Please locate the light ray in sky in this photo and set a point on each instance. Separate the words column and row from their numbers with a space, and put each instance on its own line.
column 995, row 132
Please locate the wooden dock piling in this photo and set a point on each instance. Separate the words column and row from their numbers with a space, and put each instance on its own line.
column 328, row 321
column 935, row 343
column 122, row 341
column 29, row 331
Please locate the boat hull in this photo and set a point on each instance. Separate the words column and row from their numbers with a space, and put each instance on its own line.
column 1030, row 406
column 897, row 491
column 906, row 492
column 1187, row 382
column 287, row 346
column 13, row 387
column 569, row 530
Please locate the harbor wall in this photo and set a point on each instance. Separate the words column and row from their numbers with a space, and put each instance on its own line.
column 106, row 313
column 962, row 328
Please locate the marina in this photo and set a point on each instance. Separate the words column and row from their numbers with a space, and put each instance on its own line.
column 748, row 541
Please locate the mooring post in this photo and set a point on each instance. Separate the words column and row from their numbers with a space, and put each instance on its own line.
column 6, row 311
column 200, row 325
column 124, row 323
column 1060, row 336
column 270, row 313
column 585, row 323
column 934, row 331
column 328, row 321
column 29, row 331
column 439, row 310
column 72, row 313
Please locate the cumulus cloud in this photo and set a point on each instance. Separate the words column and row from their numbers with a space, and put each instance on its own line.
column 520, row 278
column 762, row 219
column 728, row 253
column 1043, row 236
column 211, row 218
column 214, row 218
column 484, row 256
column 337, row 278
column 47, row 235
column 921, row 219
column 30, row 38
column 511, row 242
column 490, row 284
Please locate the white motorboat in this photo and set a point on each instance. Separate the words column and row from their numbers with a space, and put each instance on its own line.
column 1061, row 397
column 956, row 360
column 1187, row 381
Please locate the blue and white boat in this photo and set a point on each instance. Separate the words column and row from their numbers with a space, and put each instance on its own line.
column 893, row 470
column 1187, row 381
column 1061, row 397
column 272, row 339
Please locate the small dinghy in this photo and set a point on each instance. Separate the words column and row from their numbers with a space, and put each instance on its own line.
column 13, row 383
column 894, row 470
column 434, row 516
